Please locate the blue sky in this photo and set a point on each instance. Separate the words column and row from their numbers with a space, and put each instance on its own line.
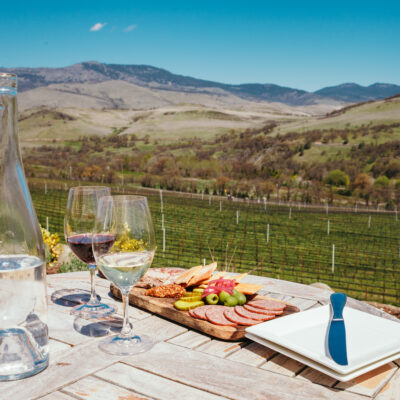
column 302, row 44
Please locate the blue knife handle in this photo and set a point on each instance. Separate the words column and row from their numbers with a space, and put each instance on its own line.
column 338, row 301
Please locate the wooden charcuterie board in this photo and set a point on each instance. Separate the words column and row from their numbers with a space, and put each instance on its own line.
column 165, row 308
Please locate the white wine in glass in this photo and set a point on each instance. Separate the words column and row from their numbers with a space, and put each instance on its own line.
column 128, row 220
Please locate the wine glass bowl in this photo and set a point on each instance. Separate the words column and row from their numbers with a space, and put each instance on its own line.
column 79, row 221
column 127, row 220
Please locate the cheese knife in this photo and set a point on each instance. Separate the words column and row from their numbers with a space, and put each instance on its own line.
column 337, row 331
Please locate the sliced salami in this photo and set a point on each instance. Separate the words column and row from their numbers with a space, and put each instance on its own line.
column 216, row 316
column 262, row 310
column 243, row 312
column 200, row 312
column 267, row 304
column 234, row 317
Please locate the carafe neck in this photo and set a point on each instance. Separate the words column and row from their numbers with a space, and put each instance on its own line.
column 9, row 149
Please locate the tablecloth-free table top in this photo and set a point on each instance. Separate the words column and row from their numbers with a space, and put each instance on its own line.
column 184, row 364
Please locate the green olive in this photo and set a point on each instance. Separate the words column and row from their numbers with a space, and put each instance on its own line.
column 223, row 296
column 212, row 298
column 231, row 301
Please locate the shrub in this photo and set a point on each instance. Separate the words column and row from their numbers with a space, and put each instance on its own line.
column 382, row 181
column 337, row 178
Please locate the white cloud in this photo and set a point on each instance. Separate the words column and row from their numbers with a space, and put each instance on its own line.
column 129, row 28
column 98, row 26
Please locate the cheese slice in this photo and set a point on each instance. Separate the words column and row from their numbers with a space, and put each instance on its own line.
column 248, row 288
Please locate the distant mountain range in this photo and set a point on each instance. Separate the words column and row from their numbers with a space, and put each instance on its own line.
column 158, row 80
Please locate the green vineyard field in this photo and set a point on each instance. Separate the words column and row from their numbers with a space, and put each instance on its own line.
column 296, row 248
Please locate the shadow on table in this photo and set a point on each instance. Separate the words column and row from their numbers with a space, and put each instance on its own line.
column 71, row 297
column 98, row 327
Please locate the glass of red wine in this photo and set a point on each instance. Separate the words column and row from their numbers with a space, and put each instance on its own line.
column 79, row 224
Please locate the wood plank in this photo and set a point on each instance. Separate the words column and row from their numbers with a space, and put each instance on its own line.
column 103, row 291
column 277, row 296
column 281, row 364
column 190, row 339
column 227, row 378
column 310, row 292
column 219, row 348
column 158, row 328
column 303, row 304
column 56, row 346
column 314, row 376
column 391, row 391
column 370, row 383
column 92, row 388
column 289, row 288
column 64, row 368
column 152, row 385
column 57, row 396
column 83, row 360
column 254, row 354
column 165, row 308
column 61, row 323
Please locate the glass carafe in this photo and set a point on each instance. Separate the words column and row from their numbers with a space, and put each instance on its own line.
column 23, row 307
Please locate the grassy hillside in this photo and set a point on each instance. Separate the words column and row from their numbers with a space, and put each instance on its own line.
column 167, row 124
column 245, row 153
column 370, row 113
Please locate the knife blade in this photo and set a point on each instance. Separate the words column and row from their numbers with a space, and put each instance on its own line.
column 337, row 330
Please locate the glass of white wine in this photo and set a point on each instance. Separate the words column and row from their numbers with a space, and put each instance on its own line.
column 128, row 220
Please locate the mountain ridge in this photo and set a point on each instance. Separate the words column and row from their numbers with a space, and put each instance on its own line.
column 147, row 75
column 151, row 77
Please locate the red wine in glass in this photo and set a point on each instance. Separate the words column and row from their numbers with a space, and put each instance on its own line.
column 81, row 245
column 79, row 220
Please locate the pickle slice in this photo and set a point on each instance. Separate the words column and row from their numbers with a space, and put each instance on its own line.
column 185, row 305
column 191, row 299
column 191, row 294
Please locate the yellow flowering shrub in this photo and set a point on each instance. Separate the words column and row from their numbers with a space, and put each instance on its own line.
column 53, row 246
column 127, row 243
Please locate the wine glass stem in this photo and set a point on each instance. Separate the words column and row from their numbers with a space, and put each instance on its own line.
column 93, row 296
column 126, row 327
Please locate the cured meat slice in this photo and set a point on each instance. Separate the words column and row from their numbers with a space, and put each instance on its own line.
column 262, row 310
column 172, row 271
column 216, row 316
column 267, row 304
column 234, row 317
column 200, row 312
column 159, row 276
column 243, row 312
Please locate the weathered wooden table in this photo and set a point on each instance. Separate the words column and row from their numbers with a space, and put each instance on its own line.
column 185, row 364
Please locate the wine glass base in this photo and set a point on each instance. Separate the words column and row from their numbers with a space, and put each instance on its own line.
column 121, row 346
column 93, row 311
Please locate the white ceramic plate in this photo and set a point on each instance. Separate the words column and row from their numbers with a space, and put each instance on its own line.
column 320, row 367
column 370, row 340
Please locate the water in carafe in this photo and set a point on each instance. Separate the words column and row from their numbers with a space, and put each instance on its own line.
column 23, row 307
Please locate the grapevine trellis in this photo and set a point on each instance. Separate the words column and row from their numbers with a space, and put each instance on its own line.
column 298, row 248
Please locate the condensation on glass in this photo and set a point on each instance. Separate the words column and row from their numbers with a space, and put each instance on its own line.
column 24, row 339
